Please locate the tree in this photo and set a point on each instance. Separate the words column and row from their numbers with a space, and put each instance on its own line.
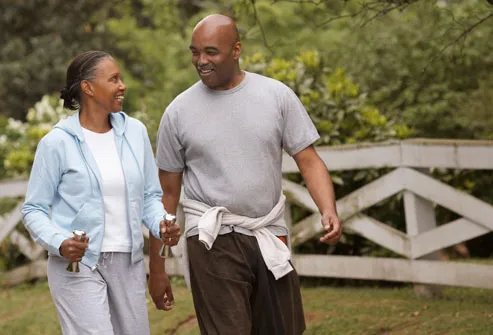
column 38, row 39
column 420, row 61
column 407, row 80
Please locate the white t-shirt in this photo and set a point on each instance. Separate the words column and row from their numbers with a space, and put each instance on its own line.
column 117, row 236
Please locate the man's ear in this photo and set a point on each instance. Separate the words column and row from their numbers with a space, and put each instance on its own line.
column 237, row 50
column 86, row 88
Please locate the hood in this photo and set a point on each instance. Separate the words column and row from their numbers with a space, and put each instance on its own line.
column 72, row 124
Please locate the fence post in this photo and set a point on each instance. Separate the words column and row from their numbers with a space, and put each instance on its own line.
column 420, row 217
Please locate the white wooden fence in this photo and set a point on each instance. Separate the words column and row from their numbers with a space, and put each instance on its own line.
column 418, row 246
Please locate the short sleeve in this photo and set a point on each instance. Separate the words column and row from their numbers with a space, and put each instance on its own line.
column 298, row 129
column 169, row 150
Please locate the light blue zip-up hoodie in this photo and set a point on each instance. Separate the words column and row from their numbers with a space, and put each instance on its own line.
column 65, row 177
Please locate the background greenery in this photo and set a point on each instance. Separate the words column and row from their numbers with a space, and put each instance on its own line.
column 365, row 71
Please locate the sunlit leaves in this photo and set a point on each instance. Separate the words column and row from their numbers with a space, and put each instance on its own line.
column 20, row 139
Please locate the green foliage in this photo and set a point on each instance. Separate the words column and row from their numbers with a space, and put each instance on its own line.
column 341, row 113
column 385, row 56
column 154, row 52
column 412, row 62
column 20, row 139
column 10, row 256
column 404, row 61
column 38, row 39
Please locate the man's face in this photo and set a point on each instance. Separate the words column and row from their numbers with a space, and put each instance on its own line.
column 215, row 56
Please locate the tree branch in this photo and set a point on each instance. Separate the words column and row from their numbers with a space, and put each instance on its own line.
column 262, row 31
column 385, row 8
column 377, row 8
column 463, row 36
column 370, row 10
column 312, row 2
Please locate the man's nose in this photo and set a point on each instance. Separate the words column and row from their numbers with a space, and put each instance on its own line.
column 202, row 60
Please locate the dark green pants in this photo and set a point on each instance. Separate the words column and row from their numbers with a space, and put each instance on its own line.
column 235, row 294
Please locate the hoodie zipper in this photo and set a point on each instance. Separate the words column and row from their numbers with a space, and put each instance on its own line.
column 124, row 138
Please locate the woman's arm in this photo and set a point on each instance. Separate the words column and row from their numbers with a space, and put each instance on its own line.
column 43, row 183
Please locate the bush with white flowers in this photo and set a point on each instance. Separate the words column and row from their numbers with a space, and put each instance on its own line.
column 18, row 140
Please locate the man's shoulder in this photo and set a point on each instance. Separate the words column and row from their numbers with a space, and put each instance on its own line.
column 185, row 98
column 264, row 82
column 260, row 78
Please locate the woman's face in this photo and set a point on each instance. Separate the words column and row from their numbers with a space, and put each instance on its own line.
column 107, row 87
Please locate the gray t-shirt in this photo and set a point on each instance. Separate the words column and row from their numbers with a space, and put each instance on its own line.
column 229, row 143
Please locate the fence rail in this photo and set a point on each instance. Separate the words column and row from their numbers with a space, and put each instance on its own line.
column 418, row 245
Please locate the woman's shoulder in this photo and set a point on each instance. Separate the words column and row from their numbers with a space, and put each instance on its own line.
column 55, row 143
column 55, row 137
column 133, row 123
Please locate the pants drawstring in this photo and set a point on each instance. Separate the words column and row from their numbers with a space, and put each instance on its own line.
column 106, row 255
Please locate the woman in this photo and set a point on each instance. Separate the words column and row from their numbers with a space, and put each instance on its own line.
column 96, row 172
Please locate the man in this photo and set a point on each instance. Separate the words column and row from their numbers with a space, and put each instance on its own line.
column 224, row 136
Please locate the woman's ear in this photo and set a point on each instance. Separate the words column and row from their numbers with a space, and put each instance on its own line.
column 86, row 88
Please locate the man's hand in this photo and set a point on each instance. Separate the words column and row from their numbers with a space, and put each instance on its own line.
column 333, row 227
column 170, row 233
column 160, row 291
column 73, row 249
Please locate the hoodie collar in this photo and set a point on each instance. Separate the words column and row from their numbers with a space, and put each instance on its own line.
column 72, row 124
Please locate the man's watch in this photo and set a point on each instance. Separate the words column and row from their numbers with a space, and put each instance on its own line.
column 164, row 252
column 170, row 218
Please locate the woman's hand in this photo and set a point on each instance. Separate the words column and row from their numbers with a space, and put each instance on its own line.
column 74, row 249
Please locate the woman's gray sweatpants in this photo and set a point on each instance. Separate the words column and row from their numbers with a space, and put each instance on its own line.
column 108, row 301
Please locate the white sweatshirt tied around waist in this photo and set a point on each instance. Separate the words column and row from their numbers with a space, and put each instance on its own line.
column 209, row 220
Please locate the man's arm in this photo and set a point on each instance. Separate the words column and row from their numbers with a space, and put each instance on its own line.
column 159, row 287
column 319, row 184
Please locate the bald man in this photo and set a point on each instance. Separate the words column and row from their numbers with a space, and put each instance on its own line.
column 224, row 138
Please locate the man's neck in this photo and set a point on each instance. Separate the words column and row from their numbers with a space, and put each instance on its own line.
column 236, row 80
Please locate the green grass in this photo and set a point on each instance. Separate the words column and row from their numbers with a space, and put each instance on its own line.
column 28, row 310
